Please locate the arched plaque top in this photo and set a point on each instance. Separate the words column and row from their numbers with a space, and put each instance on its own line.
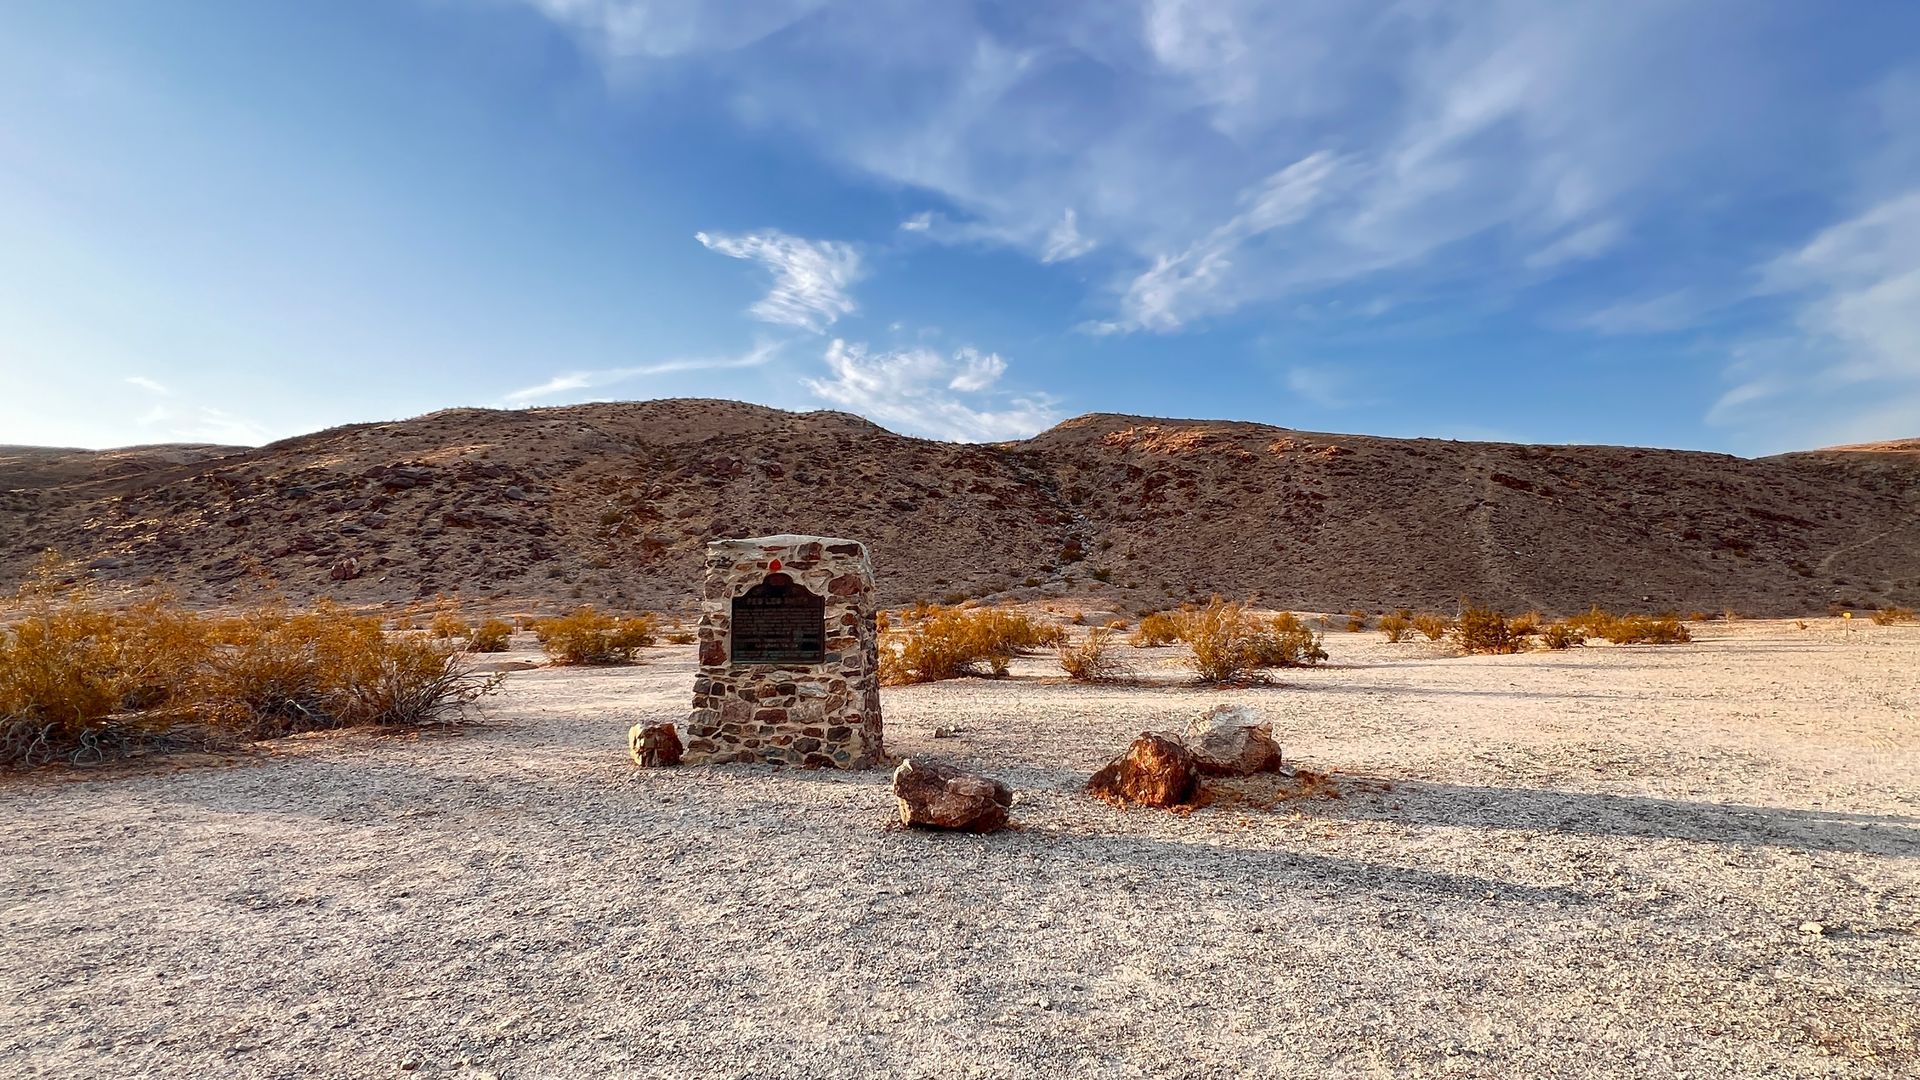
column 779, row 621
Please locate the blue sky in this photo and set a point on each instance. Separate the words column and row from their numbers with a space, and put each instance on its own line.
column 1673, row 223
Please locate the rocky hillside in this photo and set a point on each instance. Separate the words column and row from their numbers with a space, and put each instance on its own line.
column 612, row 503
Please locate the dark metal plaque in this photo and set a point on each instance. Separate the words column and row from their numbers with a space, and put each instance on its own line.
column 779, row 622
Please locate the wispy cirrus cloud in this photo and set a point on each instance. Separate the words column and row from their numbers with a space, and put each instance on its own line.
column 811, row 278
column 1545, row 134
column 923, row 391
column 1849, row 369
column 570, row 383
column 169, row 419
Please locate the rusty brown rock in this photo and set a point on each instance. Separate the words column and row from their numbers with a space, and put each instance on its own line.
column 1155, row 771
column 654, row 745
column 939, row 796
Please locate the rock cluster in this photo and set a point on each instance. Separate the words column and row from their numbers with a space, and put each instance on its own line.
column 939, row 796
column 1166, row 770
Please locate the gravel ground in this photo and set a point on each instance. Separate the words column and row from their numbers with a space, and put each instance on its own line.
column 1593, row 863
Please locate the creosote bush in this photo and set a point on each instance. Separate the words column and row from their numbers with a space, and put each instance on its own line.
column 1156, row 628
column 1093, row 658
column 1484, row 630
column 589, row 636
column 1356, row 621
column 1887, row 616
column 82, row 681
column 1229, row 642
column 1435, row 627
column 1646, row 630
column 1397, row 625
column 947, row 643
column 493, row 635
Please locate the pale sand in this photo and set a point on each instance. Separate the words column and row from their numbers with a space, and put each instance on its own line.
column 1593, row 863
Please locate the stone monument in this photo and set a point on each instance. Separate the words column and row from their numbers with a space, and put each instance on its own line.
column 789, row 656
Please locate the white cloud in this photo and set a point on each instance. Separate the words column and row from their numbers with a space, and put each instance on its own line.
column 150, row 385
column 1064, row 240
column 169, row 419
column 663, row 28
column 1540, row 134
column 1850, row 372
column 1578, row 245
column 810, row 277
column 1664, row 313
column 1325, row 387
column 1199, row 281
column 569, row 382
column 921, row 391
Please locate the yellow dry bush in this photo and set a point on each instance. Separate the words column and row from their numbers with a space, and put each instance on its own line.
column 1093, row 659
column 1484, row 630
column 947, row 643
column 1156, row 628
column 1887, row 616
column 1647, row 630
column 1356, row 621
column 1230, row 643
column 493, row 635
column 1397, row 625
column 80, row 680
column 589, row 636
column 447, row 625
column 1433, row 626
column 1561, row 636
column 680, row 637
column 1592, row 622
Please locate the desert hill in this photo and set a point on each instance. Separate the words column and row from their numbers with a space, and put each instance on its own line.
column 612, row 503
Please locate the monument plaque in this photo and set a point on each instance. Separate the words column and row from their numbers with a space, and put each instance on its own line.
column 779, row 621
column 789, row 656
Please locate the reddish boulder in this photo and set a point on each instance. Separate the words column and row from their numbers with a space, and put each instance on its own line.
column 1155, row 771
column 936, row 796
column 654, row 744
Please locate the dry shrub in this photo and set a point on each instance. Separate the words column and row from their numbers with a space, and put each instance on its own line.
column 1484, row 630
column 1647, row 630
column 1356, row 621
column 1887, row 616
column 1093, row 659
column 1561, row 636
column 448, row 625
column 1592, row 623
column 590, row 636
column 1230, row 643
column 81, row 681
column 947, row 643
column 681, row 637
column 1117, row 624
column 1397, row 625
column 274, row 672
column 1433, row 626
column 1156, row 628
column 491, row 636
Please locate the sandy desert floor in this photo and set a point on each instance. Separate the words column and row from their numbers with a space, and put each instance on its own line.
column 1592, row 863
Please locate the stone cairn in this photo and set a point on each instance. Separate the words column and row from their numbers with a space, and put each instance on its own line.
column 789, row 656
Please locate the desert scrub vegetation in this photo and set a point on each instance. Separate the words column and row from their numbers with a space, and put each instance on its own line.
column 1397, row 626
column 1156, row 628
column 948, row 643
column 493, row 635
column 1888, row 616
column 1433, row 627
column 1484, row 630
column 81, row 681
column 1094, row 658
column 590, row 636
column 1231, row 643
column 1356, row 621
